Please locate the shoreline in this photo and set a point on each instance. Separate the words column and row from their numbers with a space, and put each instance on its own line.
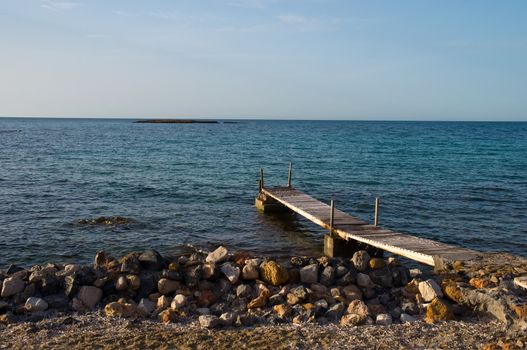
column 222, row 295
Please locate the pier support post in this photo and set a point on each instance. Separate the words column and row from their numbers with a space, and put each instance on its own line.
column 269, row 205
column 290, row 174
column 376, row 222
column 338, row 247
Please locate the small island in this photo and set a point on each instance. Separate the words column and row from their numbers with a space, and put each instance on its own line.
column 177, row 121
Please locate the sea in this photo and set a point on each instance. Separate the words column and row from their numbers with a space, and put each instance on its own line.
column 187, row 186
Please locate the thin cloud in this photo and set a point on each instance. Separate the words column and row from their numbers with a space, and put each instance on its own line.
column 125, row 13
column 304, row 23
column 57, row 5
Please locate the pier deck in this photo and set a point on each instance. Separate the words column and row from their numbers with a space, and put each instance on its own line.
column 348, row 227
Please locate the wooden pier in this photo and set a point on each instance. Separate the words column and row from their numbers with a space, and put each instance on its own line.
column 347, row 228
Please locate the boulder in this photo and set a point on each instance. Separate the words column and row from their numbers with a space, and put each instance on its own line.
column 134, row 282
column 101, row 260
column 151, row 260
column 209, row 270
column 217, row 256
column 231, row 271
column 451, row 291
column 327, row 277
column 227, row 319
column 282, row 310
column 383, row 319
column 36, row 304
column 360, row 260
column 350, row 320
column 335, row 312
column 209, row 321
column 405, row 318
column 130, row 263
column 364, row 281
column 382, row 276
column 193, row 275
column 309, row 274
column 377, row 263
column 438, row 310
column 11, row 286
column 179, row 301
column 250, row 272
column 358, row 307
column 169, row 315
column 89, row 296
column 351, row 292
column 121, row 284
column 243, row 291
column 257, row 302
column 206, row 298
column 166, row 286
column 273, row 273
column 430, row 290
column 146, row 306
column 479, row 283
column 121, row 309
column 163, row 302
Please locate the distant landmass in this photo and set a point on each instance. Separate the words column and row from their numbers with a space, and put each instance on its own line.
column 177, row 121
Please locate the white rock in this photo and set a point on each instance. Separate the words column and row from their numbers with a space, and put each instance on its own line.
column 227, row 318
column 36, row 304
column 11, row 286
column 209, row 321
column 179, row 301
column 121, row 284
column 383, row 319
column 253, row 261
column 166, row 286
column 250, row 272
column 219, row 255
column 429, row 290
column 309, row 274
column 89, row 296
column 364, row 281
column 231, row 271
column 405, row 318
column 146, row 305
column 163, row 302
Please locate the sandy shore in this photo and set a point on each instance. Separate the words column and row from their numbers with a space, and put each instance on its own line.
column 93, row 331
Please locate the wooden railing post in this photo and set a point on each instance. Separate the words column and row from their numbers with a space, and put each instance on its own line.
column 376, row 222
column 331, row 216
column 289, row 174
column 261, row 179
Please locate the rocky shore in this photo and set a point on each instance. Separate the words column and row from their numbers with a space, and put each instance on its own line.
column 220, row 292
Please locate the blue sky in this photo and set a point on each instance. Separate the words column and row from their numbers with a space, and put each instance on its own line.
column 307, row 59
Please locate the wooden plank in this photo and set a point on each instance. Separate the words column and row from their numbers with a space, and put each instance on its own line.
column 350, row 227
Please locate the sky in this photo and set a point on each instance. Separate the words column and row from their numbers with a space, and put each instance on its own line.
column 273, row 59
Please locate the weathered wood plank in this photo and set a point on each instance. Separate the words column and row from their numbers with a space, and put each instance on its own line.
column 350, row 227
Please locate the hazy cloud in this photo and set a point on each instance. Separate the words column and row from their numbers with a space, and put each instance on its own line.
column 302, row 22
column 58, row 5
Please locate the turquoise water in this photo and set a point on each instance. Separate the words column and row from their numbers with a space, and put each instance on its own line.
column 462, row 183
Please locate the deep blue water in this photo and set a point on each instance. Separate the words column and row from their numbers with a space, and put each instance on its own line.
column 463, row 183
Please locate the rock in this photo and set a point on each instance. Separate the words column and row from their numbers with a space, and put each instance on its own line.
column 479, row 283
column 262, row 290
column 203, row 311
column 101, row 260
column 351, row 292
column 350, row 320
column 121, row 284
column 438, row 310
column 282, row 310
column 231, row 271
column 179, row 301
column 429, row 290
column 12, row 286
column 169, row 315
column 358, row 307
column 396, row 313
column 166, row 286
column 273, row 273
column 364, row 280
column 120, row 309
column 377, row 263
column 3, row 306
column 340, row 271
column 309, row 274
column 89, row 296
column 520, row 311
column 451, row 291
column 327, row 277
column 134, row 282
column 206, row 298
column 163, row 302
column 401, row 276
column 243, row 290
column 335, row 312
column 382, row 276
column 209, row 321
column 146, row 306
column 383, row 319
column 348, row 278
column 227, row 319
column 193, row 275
column 250, row 272
column 257, row 302
column 151, row 260
column 405, row 318
column 360, row 260
column 209, row 270
column 130, row 263
column 217, row 256
column 292, row 299
column 36, row 304
column 410, row 308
